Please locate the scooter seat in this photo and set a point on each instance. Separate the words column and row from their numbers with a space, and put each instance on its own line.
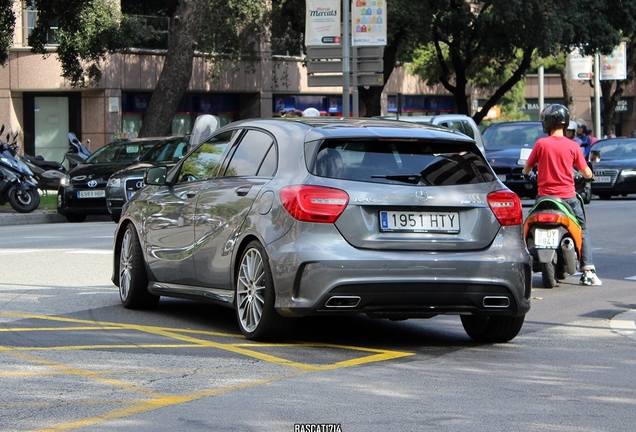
column 548, row 202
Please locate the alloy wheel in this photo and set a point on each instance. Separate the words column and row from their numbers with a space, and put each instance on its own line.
column 250, row 290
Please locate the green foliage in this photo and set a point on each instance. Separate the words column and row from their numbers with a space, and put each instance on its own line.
column 87, row 31
column 233, row 30
column 7, row 26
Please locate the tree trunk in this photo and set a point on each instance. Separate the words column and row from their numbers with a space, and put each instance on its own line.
column 177, row 68
column 371, row 97
column 568, row 92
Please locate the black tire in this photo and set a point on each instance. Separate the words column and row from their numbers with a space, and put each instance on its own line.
column 494, row 329
column 75, row 217
column 115, row 216
column 587, row 195
column 24, row 200
column 132, row 278
column 548, row 275
column 605, row 196
column 255, row 296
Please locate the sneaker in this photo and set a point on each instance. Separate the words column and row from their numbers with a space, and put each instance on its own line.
column 589, row 278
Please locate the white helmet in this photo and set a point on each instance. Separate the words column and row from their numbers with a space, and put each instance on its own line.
column 311, row 112
column 572, row 125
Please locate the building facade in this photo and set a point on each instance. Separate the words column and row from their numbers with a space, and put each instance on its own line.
column 37, row 102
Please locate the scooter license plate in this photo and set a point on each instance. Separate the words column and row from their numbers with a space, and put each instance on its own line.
column 546, row 238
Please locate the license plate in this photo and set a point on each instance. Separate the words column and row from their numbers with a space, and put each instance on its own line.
column 447, row 222
column 602, row 179
column 130, row 194
column 100, row 193
column 546, row 238
column 502, row 177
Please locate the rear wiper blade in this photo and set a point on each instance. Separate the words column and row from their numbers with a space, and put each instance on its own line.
column 406, row 178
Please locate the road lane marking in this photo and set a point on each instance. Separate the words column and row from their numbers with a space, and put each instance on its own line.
column 625, row 324
column 631, row 278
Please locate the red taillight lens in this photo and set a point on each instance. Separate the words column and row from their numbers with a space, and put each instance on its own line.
column 548, row 218
column 314, row 203
column 506, row 206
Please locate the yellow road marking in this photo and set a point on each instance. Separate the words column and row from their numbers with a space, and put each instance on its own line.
column 172, row 333
column 184, row 338
column 154, row 404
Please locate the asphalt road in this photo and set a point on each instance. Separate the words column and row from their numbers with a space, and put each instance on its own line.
column 73, row 359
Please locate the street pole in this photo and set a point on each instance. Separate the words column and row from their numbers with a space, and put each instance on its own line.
column 597, row 95
column 541, row 84
column 346, row 57
column 354, row 85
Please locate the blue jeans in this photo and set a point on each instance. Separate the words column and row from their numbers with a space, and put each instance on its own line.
column 586, row 248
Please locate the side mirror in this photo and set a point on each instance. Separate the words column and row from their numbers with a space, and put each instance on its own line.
column 595, row 156
column 156, row 176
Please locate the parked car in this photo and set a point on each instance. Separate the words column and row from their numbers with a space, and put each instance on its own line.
column 508, row 145
column 125, row 182
column 83, row 191
column 459, row 122
column 614, row 162
column 285, row 218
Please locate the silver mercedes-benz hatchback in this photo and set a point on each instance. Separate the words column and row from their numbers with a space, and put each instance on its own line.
column 285, row 218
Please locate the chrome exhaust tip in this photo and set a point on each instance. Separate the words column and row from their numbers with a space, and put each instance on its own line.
column 496, row 302
column 342, row 302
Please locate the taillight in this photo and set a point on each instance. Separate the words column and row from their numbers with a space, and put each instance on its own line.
column 314, row 203
column 506, row 206
column 547, row 218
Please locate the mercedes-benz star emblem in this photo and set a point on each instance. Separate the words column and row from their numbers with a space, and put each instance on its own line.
column 421, row 195
column 92, row 183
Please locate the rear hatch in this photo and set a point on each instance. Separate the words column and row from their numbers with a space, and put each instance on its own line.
column 410, row 194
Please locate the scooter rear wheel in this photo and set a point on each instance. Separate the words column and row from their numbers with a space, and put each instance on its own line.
column 548, row 275
column 24, row 200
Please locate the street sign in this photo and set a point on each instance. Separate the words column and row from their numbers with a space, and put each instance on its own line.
column 335, row 52
column 336, row 80
column 335, row 66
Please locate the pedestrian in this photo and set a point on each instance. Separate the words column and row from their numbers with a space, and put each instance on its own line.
column 556, row 157
column 585, row 140
column 590, row 135
column 570, row 132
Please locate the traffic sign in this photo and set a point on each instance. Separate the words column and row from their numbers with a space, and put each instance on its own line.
column 336, row 80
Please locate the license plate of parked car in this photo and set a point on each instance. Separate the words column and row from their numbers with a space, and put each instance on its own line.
column 546, row 239
column 91, row 194
column 419, row 221
column 602, row 179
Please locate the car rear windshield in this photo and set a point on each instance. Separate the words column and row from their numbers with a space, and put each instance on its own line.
column 512, row 135
column 418, row 162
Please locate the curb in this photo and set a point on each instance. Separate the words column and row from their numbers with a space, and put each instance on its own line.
column 41, row 217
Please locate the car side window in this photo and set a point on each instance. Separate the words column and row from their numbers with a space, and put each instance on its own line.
column 252, row 153
column 204, row 162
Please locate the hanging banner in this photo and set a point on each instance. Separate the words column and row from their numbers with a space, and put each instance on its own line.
column 322, row 24
column 579, row 66
column 368, row 22
column 614, row 66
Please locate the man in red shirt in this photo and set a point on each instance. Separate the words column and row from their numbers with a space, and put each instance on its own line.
column 556, row 156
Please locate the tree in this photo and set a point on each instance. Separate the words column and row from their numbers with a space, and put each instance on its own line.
column 177, row 69
column 7, row 27
column 507, row 35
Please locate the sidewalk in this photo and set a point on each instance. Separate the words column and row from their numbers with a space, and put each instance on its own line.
column 8, row 216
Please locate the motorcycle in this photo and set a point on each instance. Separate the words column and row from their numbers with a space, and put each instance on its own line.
column 77, row 153
column 16, row 179
column 48, row 174
column 554, row 238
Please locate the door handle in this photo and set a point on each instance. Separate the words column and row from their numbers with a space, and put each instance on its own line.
column 191, row 194
column 243, row 190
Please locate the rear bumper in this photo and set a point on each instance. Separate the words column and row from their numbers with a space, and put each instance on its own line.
column 346, row 280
